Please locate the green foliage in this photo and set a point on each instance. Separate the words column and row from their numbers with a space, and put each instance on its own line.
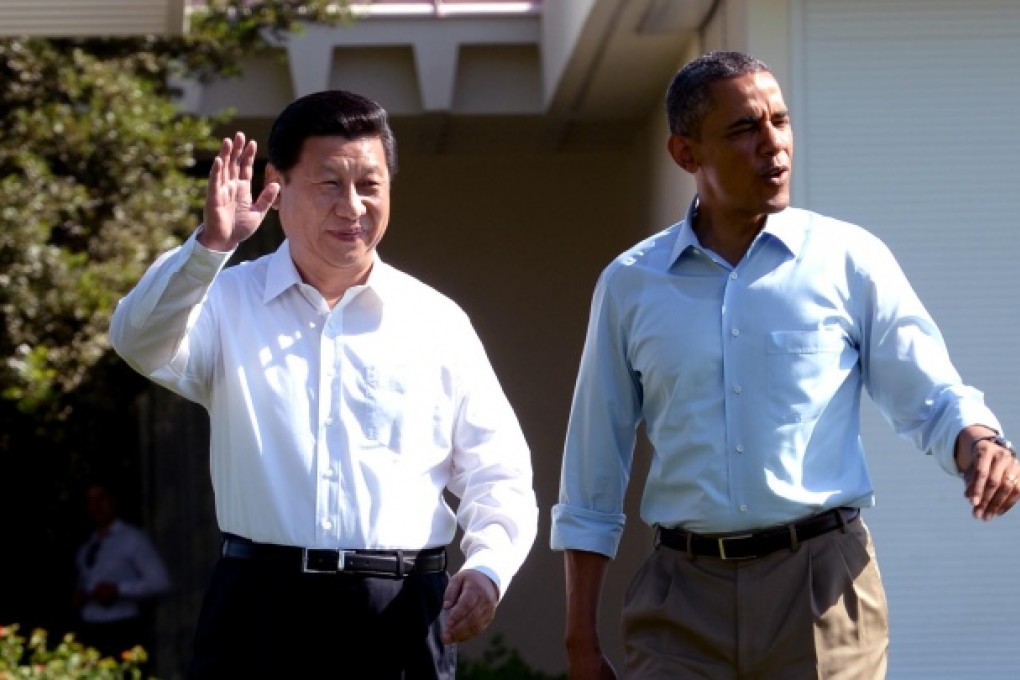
column 68, row 660
column 96, row 168
column 93, row 183
column 499, row 662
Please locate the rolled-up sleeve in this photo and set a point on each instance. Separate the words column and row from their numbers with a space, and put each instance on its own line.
column 601, row 433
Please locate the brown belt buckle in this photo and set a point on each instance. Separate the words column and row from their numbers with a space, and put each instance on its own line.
column 721, row 540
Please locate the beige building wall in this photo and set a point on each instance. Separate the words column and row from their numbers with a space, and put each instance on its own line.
column 518, row 239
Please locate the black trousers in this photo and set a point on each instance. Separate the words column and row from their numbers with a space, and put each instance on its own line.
column 263, row 619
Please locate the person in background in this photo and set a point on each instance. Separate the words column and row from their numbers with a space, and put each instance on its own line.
column 119, row 572
column 743, row 337
column 345, row 398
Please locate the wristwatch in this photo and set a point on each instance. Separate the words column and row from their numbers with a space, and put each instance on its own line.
column 997, row 439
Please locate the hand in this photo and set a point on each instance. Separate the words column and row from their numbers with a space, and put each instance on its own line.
column 105, row 593
column 230, row 216
column 992, row 480
column 470, row 604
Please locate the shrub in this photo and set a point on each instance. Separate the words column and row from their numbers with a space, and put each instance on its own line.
column 68, row 660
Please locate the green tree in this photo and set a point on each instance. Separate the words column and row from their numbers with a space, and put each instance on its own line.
column 98, row 174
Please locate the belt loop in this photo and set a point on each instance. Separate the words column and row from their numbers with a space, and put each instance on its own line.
column 657, row 538
column 794, row 544
column 842, row 519
column 400, row 563
column 690, row 545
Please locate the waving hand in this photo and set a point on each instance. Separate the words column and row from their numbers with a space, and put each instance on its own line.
column 230, row 216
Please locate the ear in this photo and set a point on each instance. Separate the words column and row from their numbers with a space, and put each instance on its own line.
column 271, row 175
column 681, row 150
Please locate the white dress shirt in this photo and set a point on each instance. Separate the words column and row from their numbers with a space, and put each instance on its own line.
column 749, row 379
column 125, row 557
column 337, row 428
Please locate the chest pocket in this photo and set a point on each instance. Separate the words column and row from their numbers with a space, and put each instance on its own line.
column 387, row 396
column 805, row 368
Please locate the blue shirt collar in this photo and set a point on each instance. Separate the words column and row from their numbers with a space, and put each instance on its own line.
column 788, row 227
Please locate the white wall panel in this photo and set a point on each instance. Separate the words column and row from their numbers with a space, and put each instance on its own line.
column 905, row 115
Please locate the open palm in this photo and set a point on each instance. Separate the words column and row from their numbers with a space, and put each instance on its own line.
column 230, row 215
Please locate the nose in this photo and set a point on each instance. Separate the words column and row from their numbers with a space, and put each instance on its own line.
column 349, row 203
column 774, row 139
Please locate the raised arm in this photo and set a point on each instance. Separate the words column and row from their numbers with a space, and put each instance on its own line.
column 230, row 216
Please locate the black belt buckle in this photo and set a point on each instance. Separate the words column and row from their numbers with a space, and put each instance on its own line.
column 721, row 541
column 312, row 566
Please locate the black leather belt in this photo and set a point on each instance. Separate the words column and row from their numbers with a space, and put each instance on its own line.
column 748, row 546
column 389, row 563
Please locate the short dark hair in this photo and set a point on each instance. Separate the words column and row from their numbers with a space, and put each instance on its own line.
column 688, row 99
column 326, row 114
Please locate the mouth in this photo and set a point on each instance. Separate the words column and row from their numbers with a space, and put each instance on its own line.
column 776, row 175
column 346, row 234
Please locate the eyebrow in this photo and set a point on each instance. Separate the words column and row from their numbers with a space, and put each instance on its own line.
column 744, row 121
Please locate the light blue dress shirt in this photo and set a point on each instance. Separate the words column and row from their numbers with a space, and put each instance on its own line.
column 748, row 380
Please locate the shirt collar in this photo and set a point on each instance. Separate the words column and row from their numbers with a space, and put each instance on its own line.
column 685, row 237
column 282, row 274
column 787, row 226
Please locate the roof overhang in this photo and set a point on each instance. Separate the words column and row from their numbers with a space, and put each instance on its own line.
column 91, row 18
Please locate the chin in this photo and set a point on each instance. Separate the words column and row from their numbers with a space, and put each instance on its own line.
column 777, row 204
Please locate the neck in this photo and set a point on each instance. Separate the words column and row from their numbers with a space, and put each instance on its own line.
column 730, row 238
column 332, row 289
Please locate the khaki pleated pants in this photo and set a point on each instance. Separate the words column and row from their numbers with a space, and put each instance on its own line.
column 818, row 611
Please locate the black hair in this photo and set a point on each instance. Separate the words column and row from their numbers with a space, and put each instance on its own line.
column 688, row 99
column 325, row 114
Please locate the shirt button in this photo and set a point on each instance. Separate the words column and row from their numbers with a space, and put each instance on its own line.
column 737, row 389
column 326, row 524
column 740, row 448
column 735, row 332
column 733, row 276
column 743, row 508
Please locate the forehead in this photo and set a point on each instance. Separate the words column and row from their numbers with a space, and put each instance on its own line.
column 362, row 153
column 753, row 94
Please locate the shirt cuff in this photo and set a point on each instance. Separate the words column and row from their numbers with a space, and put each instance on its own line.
column 576, row 528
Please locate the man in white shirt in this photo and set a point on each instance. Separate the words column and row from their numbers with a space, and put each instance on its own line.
column 119, row 571
column 344, row 397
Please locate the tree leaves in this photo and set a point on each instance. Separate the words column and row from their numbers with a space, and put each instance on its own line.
column 97, row 178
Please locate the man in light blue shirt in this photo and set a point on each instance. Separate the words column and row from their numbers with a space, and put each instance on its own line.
column 742, row 337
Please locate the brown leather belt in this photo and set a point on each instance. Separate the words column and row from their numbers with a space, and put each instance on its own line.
column 387, row 563
column 748, row 546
